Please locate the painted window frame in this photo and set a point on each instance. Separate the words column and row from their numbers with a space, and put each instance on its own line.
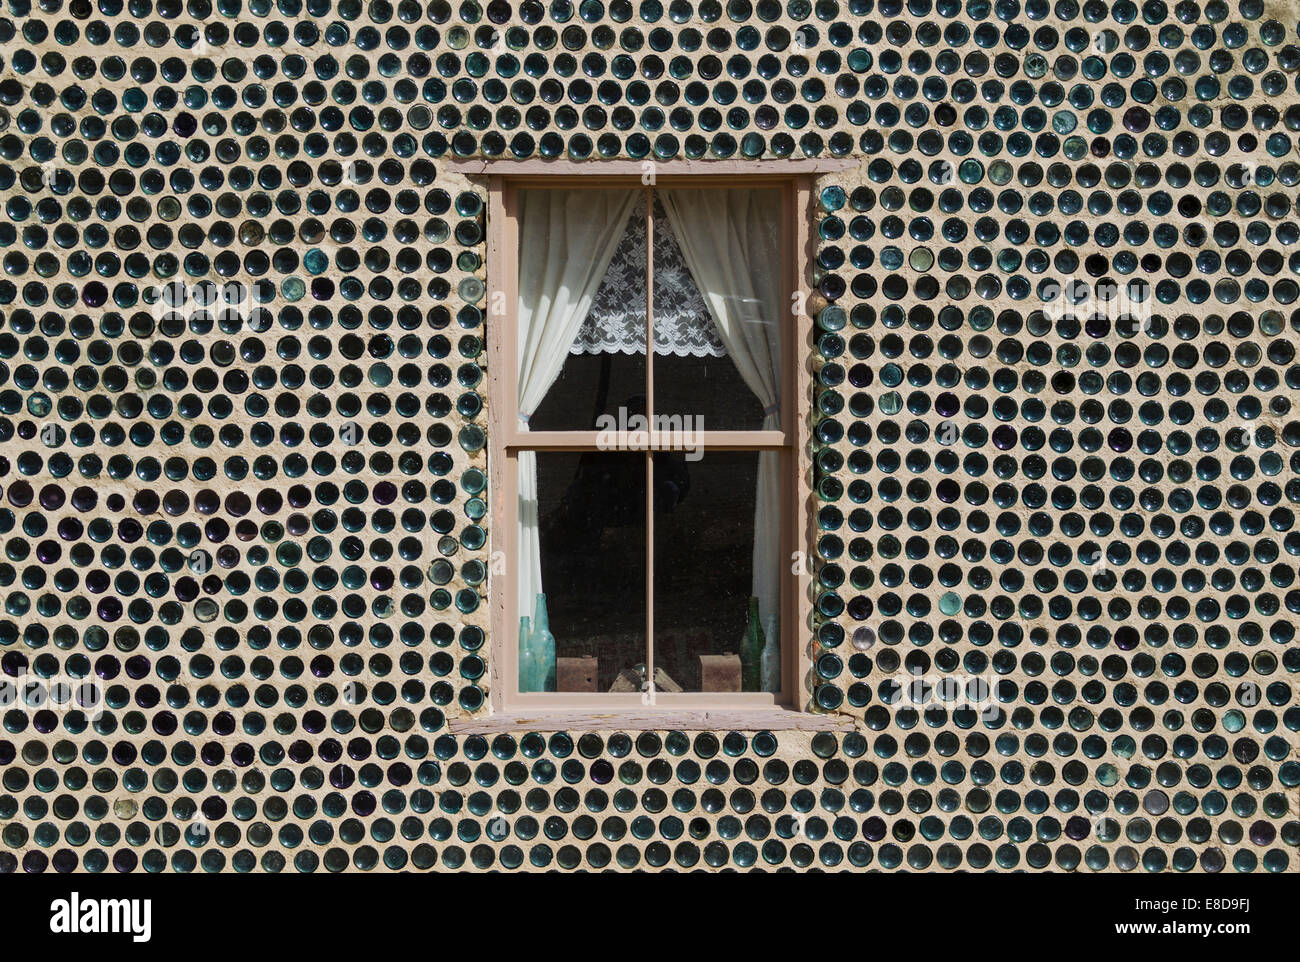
column 789, row 708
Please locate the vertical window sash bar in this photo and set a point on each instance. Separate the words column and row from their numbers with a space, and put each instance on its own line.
column 649, row 455
column 789, row 625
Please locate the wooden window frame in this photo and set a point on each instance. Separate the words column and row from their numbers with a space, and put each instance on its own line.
column 509, row 708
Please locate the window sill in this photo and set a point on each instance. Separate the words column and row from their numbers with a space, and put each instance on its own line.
column 752, row 719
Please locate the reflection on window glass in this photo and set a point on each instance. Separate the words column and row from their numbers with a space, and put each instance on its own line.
column 704, row 567
column 591, row 386
column 591, row 519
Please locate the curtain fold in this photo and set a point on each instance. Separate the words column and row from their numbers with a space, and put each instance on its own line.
column 731, row 242
column 566, row 240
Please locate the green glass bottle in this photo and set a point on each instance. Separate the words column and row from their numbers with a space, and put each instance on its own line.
column 751, row 651
column 543, row 648
column 770, row 661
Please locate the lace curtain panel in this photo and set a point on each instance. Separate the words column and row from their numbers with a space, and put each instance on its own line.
column 616, row 323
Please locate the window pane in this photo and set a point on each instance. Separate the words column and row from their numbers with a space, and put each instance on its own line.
column 718, row 308
column 591, row 523
column 589, row 386
column 703, row 394
column 704, row 568
column 602, row 370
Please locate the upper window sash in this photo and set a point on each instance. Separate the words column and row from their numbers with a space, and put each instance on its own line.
column 515, row 436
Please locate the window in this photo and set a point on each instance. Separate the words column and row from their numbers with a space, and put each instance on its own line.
column 647, row 500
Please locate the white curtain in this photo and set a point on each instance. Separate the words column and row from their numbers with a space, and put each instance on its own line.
column 731, row 241
column 566, row 241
